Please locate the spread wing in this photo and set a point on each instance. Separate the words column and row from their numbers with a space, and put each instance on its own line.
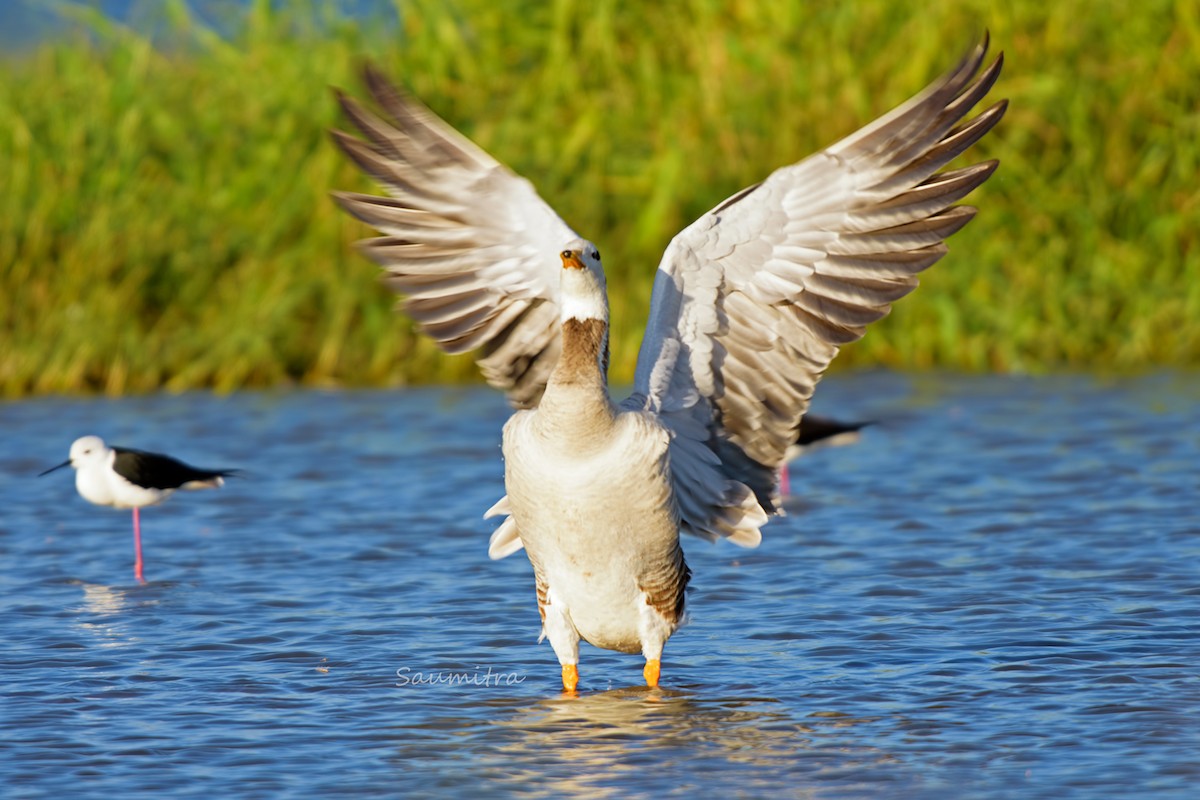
column 468, row 242
column 752, row 301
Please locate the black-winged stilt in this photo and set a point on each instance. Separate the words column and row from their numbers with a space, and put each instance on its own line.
column 126, row 478
column 817, row 431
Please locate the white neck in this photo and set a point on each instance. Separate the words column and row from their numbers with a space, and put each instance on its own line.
column 582, row 297
column 584, row 308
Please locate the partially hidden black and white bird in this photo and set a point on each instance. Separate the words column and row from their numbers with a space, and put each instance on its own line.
column 126, row 478
column 816, row 432
column 750, row 304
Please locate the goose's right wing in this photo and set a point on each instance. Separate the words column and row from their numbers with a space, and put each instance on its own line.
column 753, row 301
column 469, row 243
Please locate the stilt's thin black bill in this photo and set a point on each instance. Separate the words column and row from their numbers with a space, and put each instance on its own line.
column 66, row 463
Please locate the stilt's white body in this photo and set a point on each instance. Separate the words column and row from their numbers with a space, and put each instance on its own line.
column 98, row 483
column 126, row 478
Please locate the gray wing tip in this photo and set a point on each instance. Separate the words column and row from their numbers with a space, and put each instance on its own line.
column 986, row 168
column 346, row 103
column 351, row 202
column 376, row 81
column 958, row 79
column 999, row 108
column 969, row 63
column 391, row 97
column 985, row 42
column 346, row 142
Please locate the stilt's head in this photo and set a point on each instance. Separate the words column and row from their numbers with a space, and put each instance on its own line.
column 85, row 451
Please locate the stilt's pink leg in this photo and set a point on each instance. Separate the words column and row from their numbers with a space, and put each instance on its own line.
column 137, row 547
column 785, row 481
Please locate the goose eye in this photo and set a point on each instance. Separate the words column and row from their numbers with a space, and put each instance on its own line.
column 565, row 254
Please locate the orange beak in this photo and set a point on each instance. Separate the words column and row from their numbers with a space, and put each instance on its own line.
column 571, row 259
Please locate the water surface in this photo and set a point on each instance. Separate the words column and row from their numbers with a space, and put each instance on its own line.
column 995, row 594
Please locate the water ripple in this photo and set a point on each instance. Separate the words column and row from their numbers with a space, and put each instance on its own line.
column 996, row 594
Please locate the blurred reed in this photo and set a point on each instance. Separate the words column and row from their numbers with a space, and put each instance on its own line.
column 165, row 220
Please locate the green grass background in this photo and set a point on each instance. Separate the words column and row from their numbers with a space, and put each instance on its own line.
column 165, row 220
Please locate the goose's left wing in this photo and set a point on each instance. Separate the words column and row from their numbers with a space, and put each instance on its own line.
column 469, row 243
column 752, row 301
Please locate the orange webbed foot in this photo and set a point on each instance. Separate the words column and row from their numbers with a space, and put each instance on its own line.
column 651, row 672
column 570, row 677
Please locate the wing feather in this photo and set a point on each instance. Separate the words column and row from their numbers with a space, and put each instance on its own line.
column 469, row 243
column 753, row 300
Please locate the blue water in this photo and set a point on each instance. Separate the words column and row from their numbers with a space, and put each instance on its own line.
column 996, row 593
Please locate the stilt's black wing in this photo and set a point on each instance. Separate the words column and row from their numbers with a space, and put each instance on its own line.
column 154, row 471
